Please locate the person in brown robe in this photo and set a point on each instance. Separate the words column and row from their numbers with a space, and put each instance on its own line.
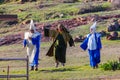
column 58, row 49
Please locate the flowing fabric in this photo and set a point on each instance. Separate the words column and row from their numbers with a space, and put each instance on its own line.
column 92, row 40
column 60, row 49
column 33, row 47
column 93, row 49
column 60, row 44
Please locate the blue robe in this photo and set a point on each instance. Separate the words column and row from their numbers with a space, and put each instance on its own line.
column 35, row 50
column 94, row 55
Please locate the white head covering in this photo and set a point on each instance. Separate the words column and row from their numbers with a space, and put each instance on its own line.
column 93, row 27
column 92, row 40
column 32, row 26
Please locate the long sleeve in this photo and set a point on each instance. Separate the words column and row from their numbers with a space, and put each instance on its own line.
column 24, row 42
column 70, row 40
column 84, row 44
column 99, row 43
column 36, row 40
column 50, row 33
column 53, row 33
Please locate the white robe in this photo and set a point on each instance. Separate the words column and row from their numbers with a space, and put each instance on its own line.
column 92, row 42
column 30, row 47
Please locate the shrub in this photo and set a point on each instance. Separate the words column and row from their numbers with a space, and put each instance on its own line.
column 94, row 8
column 4, row 1
column 2, row 11
column 1, row 1
column 111, row 65
column 67, row 1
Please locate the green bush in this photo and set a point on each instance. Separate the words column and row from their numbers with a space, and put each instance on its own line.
column 67, row 1
column 106, row 5
column 94, row 8
column 111, row 65
column 2, row 11
column 4, row 1
column 1, row 1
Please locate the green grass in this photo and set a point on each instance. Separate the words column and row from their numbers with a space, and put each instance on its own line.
column 69, row 10
column 81, row 30
column 85, row 29
column 77, row 66
column 68, row 72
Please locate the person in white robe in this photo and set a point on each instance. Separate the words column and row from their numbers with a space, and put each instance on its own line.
column 93, row 44
column 32, row 41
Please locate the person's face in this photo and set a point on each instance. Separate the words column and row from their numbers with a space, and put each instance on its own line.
column 32, row 31
column 91, row 30
column 59, row 29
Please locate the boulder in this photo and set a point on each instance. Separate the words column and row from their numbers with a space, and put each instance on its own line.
column 116, row 24
column 114, row 34
column 110, row 28
column 26, row 22
column 23, row 1
column 79, row 39
column 11, row 22
column 67, row 1
column 115, row 3
column 83, row 19
column 103, row 33
column 109, row 37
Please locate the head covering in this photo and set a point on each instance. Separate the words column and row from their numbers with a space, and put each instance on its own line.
column 93, row 27
column 32, row 26
column 63, row 28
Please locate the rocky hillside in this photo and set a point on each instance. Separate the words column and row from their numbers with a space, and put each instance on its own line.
column 50, row 13
column 70, row 24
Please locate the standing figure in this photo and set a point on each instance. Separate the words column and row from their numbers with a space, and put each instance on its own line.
column 60, row 36
column 32, row 42
column 93, row 44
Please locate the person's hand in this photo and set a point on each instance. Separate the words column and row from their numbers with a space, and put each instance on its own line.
column 30, row 38
column 74, row 45
column 23, row 47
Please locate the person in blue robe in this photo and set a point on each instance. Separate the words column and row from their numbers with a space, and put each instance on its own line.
column 93, row 43
column 32, row 42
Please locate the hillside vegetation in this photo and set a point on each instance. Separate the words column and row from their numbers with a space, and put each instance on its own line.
column 54, row 12
column 49, row 11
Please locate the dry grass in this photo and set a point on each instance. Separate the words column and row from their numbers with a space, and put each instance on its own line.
column 77, row 66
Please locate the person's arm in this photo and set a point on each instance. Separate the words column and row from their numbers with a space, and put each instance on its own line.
column 24, row 43
column 99, row 43
column 36, row 39
column 49, row 33
column 84, row 44
column 70, row 39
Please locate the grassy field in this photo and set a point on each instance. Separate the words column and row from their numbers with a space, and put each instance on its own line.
column 77, row 65
column 48, row 12
column 50, row 9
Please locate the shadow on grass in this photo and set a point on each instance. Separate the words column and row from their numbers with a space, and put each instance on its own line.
column 59, row 69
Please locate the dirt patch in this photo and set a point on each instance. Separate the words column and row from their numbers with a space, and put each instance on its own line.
column 71, row 23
